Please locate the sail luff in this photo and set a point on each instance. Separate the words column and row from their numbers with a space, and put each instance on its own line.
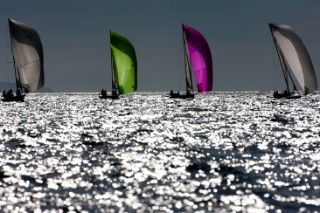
column 296, row 56
column 189, row 86
column 200, row 58
column 27, row 52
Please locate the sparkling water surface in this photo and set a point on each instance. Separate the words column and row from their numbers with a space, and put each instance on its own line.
column 220, row 152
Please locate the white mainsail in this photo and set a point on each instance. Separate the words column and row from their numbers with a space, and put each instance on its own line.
column 27, row 53
column 296, row 56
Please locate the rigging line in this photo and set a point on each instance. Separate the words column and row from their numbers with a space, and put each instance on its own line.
column 294, row 85
column 8, row 49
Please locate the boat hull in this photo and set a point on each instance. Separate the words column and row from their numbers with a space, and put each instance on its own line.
column 16, row 98
column 109, row 97
column 286, row 95
column 182, row 96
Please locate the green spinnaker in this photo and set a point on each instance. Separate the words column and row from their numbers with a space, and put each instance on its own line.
column 124, row 62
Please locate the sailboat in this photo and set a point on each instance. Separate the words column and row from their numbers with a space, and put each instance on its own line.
column 294, row 55
column 123, row 67
column 197, row 56
column 27, row 52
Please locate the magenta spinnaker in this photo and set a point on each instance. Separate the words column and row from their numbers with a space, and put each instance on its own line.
column 201, row 59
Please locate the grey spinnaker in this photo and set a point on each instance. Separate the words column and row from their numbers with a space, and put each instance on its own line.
column 295, row 56
column 27, row 54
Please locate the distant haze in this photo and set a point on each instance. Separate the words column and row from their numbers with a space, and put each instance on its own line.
column 75, row 37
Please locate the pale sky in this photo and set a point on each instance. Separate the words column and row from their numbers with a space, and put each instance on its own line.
column 75, row 38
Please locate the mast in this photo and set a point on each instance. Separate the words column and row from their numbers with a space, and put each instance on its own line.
column 189, row 86
column 18, row 83
column 284, row 67
column 114, row 83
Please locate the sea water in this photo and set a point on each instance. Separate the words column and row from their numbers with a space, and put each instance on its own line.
column 219, row 152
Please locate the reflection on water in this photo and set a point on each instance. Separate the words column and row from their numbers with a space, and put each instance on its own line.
column 220, row 152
